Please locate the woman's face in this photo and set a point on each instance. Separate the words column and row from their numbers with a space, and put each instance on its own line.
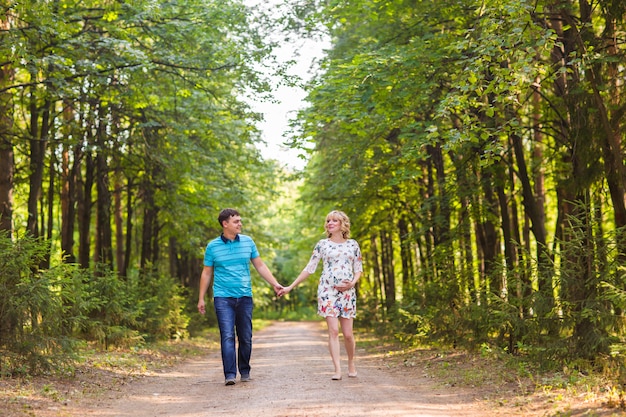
column 333, row 225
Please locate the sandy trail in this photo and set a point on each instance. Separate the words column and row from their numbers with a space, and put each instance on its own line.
column 291, row 372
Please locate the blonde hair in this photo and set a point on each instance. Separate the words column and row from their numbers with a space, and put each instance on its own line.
column 343, row 218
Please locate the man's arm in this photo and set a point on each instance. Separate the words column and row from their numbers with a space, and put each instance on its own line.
column 266, row 274
column 205, row 281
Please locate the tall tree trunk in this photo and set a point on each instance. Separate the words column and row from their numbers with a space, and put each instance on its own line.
column 68, row 189
column 466, row 266
column 579, row 281
column 149, row 223
column 51, row 194
column 535, row 201
column 534, row 210
column 174, row 261
column 104, row 239
column 507, row 235
column 148, row 189
column 119, row 220
column 84, row 211
column 118, row 188
column 37, row 151
column 389, row 278
column 489, row 239
column 441, row 207
column 7, row 162
column 611, row 130
column 406, row 257
column 429, row 266
column 129, row 228
column 377, row 285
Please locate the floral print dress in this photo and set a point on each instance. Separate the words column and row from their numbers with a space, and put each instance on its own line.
column 340, row 262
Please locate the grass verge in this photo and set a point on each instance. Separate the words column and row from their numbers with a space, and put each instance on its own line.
column 98, row 372
column 504, row 382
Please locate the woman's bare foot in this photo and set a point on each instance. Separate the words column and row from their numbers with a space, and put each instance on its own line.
column 352, row 370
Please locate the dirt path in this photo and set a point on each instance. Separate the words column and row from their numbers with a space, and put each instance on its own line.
column 291, row 372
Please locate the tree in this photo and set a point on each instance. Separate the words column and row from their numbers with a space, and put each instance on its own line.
column 475, row 132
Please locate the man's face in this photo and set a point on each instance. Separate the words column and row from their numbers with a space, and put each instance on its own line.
column 233, row 225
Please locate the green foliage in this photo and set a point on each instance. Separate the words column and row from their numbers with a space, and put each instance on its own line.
column 45, row 312
column 34, row 322
column 301, row 313
column 144, row 307
column 161, row 302
column 483, row 139
column 588, row 326
column 114, row 312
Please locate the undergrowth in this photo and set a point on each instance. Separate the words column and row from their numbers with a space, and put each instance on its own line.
column 500, row 377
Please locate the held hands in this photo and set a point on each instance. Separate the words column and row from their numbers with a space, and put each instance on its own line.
column 278, row 289
column 344, row 286
column 284, row 290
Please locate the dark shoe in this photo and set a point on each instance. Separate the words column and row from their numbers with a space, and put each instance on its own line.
column 230, row 381
column 245, row 378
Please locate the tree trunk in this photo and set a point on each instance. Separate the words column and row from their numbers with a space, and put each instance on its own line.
column 388, row 270
column 7, row 162
column 68, row 189
column 149, row 223
column 406, row 258
column 507, row 235
column 466, row 266
column 118, row 188
column 489, row 239
column 441, row 208
column 50, row 200
column 147, row 191
column 37, row 151
column 129, row 229
column 119, row 220
column 104, row 240
column 611, row 132
column 579, row 284
column 377, row 285
column 84, row 212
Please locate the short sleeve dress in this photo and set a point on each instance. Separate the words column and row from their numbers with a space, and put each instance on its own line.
column 340, row 262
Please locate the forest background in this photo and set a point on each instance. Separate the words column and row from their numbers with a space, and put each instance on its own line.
column 477, row 147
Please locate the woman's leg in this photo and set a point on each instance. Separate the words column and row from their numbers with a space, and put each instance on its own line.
column 333, row 344
column 350, row 343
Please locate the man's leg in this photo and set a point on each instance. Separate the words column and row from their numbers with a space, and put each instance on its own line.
column 225, row 313
column 243, row 322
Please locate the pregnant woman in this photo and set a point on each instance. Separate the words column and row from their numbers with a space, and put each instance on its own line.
column 336, row 296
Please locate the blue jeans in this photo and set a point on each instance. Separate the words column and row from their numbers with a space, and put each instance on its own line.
column 234, row 315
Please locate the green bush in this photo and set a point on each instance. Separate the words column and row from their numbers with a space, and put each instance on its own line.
column 34, row 321
column 161, row 303
column 144, row 307
column 44, row 313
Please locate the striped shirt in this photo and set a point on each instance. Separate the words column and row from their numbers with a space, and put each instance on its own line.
column 230, row 260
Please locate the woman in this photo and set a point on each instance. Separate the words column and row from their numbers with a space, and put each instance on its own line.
column 336, row 296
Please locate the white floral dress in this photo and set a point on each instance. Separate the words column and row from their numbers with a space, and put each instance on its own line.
column 340, row 262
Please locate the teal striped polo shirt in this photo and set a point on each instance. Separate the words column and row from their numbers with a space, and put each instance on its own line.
column 230, row 260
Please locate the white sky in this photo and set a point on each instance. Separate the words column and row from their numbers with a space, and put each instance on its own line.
column 291, row 99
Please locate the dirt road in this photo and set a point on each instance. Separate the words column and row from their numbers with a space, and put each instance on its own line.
column 291, row 372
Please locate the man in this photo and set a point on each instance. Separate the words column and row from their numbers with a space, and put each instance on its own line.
column 227, row 262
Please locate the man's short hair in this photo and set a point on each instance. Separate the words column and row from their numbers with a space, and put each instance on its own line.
column 226, row 214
